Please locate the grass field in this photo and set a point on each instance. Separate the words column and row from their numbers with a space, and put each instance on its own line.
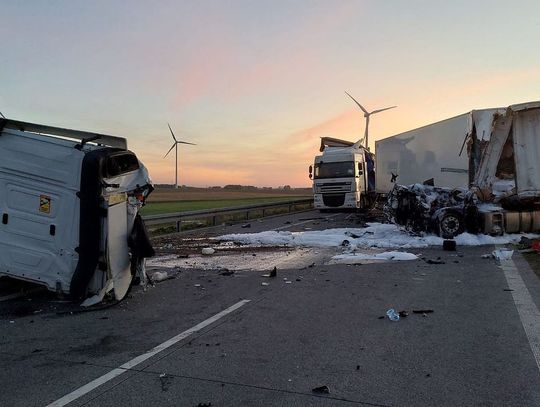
column 177, row 200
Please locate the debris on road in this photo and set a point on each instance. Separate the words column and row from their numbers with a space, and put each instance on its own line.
column 487, row 256
column 403, row 314
column 449, row 245
column 207, row 251
column 247, row 225
column 158, row 276
column 227, row 272
column 321, row 390
column 392, row 315
column 438, row 260
column 273, row 273
column 502, row 254
column 423, row 311
column 265, row 284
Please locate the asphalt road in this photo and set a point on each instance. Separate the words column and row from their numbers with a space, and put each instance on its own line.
column 322, row 329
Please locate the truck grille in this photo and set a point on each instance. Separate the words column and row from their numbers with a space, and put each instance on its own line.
column 334, row 187
column 334, row 200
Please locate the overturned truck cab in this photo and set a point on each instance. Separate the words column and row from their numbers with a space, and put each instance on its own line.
column 489, row 178
column 69, row 203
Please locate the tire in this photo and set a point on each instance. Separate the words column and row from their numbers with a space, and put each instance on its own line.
column 450, row 225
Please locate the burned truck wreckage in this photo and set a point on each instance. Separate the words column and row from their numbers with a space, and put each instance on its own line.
column 489, row 179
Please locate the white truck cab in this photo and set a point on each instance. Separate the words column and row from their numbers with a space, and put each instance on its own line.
column 69, row 203
column 343, row 176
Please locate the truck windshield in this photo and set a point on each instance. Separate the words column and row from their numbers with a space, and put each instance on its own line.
column 334, row 169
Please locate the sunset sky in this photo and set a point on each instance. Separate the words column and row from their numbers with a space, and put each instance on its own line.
column 256, row 83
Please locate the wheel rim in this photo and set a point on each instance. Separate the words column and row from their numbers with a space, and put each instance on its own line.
column 450, row 224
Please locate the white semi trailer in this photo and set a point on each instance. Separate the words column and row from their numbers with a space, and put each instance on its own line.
column 69, row 203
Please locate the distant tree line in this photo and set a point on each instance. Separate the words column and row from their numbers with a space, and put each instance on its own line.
column 231, row 187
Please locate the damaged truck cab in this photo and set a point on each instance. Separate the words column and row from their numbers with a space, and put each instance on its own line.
column 69, row 203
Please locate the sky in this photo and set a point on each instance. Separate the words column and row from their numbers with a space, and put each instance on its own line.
column 255, row 84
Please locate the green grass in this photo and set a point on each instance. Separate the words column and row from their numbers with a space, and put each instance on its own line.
column 155, row 208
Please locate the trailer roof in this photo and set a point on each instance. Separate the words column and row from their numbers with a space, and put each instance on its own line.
column 81, row 136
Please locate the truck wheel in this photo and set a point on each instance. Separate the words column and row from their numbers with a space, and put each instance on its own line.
column 451, row 225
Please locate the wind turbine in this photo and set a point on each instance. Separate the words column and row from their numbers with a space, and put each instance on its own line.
column 366, row 115
column 175, row 146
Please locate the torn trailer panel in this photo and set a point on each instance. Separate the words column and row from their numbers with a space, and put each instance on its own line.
column 57, row 191
column 503, row 172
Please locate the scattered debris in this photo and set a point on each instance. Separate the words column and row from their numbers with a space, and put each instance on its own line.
column 273, row 273
column 158, row 276
column 265, row 284
column 165, row 381
column 487, row 256
column 247, row 225
column 449, row 245
column 423, row 311
column 207, row 404
column 227, row 273
column 288, row 282
column 403, row 314
column 381, row 317
column 508, row 289
column 392, row 315
column 321, row 390
column 438, row 260
column 503, row 254
column 207, row 251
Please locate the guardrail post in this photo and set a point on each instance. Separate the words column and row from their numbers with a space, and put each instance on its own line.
column 247, row 215
column 214, row 220
column 178, row 225
column 263, row 212
column 290, row 208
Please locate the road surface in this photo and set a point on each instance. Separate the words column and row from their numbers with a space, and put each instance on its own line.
column 228, row 340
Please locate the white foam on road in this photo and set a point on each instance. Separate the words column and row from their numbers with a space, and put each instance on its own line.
column 375, row 235
column 352, row 258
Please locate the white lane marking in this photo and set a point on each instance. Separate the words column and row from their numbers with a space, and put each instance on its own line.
column 301, row 223
column 87, row 388
column 527, row 310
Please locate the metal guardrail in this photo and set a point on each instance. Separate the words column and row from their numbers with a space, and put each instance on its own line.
column 178, row 217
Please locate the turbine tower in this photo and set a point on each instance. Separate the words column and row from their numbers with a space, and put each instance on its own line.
column 366, row 115
column 175, row 146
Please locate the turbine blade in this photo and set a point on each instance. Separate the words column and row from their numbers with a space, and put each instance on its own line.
column 172, row 134
column 173, row 146
column 382, row 110
column 359, row 105
column 185, row 142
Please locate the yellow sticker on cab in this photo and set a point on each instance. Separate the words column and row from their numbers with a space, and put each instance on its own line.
column 45, row 204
